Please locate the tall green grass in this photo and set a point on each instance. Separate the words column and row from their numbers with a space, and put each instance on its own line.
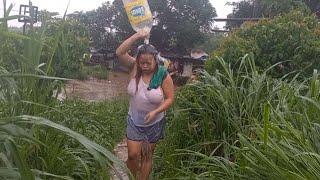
column 39, row 136
column 59, row 154
column 241, row 124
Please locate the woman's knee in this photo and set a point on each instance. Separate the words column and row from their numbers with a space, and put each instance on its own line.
column 134, row 149
column 132, row 156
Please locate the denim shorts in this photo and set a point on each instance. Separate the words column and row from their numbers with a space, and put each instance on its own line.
column 150, row 134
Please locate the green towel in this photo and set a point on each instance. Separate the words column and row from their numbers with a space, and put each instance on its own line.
column 158, row 77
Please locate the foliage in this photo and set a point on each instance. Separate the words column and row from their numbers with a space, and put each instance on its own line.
column 71, row 43
column 212, row 112
column 291, row 40
column 8, row 46
column 99, row 23
column 211, row 43
column 62, row 45
column 97, row 71
column 34, row 143
column 240, row 124
column 109, row 24
column 46, row 150
column 267, row 9
column 97, row 121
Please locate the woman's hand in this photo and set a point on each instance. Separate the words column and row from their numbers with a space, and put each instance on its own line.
column 122, row 50
column 150, row 117
column 143, row 34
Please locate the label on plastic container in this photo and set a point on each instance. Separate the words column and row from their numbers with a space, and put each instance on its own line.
column 137, row 11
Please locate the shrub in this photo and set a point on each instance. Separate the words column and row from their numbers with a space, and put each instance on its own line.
column 292, row 39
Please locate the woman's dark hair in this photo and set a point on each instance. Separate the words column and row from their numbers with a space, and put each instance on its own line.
column 144, row 49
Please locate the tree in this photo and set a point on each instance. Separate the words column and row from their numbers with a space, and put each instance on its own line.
column 180, row 24
column 291, row 39
column 243, row 9
column 100, row 24
column 68, row 39
column 267, row 8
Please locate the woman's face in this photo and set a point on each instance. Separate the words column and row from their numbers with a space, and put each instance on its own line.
column 147, row 63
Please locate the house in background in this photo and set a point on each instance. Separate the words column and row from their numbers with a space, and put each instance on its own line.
column 103, row 57
column 182, row 68
column 186, row 65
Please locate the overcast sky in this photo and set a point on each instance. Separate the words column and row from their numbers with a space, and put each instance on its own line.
column 87, row 5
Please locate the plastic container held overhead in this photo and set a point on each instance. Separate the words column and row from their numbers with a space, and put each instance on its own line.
column 139, row 15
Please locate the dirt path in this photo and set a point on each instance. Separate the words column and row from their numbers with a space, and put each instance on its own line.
column 121, row 151
column 95, row 89
column 99, row 90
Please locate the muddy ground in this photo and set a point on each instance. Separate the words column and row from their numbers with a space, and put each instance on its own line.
column 94, row 89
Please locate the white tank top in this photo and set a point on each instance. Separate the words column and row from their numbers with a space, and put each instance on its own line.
column 143, row 101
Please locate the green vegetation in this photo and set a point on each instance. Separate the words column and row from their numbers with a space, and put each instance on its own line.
column 241, row 124
column 41, row 137
column 253, row 114
column 71, row 43
column 292, row 40
column 180, row 24
column 267, row 9
column 97, row 71
column 50, row 147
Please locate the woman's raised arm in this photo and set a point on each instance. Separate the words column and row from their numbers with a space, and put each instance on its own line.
column 122, row 50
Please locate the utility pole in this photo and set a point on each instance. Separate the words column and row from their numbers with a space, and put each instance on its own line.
column 233, row 19
column 28, row 14
column 237, row 19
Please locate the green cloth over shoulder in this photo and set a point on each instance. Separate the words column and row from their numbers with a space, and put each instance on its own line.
column 158, row 77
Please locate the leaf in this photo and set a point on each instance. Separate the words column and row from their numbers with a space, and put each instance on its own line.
column 9, row 173
column 93, row 148
column 17, row 131
column 33, row 76
column 21, row 164
column 42, row 173
column 266, row 119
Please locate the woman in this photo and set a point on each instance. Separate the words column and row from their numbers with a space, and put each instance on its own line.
column 151, row 94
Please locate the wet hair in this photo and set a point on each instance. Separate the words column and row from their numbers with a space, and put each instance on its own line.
column 144, row 49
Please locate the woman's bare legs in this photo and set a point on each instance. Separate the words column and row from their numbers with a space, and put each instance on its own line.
column 134, row 152
column 146, row 160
